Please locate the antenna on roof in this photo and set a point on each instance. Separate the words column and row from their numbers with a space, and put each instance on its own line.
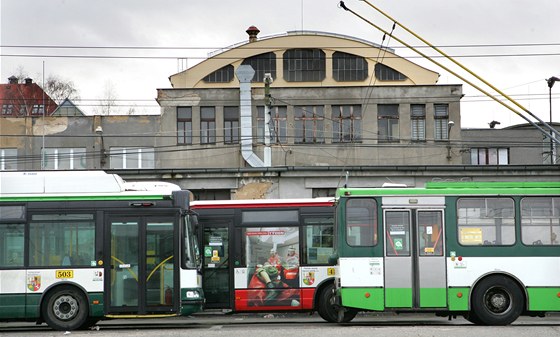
column 346, row 179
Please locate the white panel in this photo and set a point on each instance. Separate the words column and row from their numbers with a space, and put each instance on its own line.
column 12, row 282
column 361, row 271
column 531, row 271
column 412, row 201
column 189, row 279
column 310, row 277
column 240, row 278
column 37, row 281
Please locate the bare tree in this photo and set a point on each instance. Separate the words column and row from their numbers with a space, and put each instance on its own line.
column 59, row 89
column 107, row 104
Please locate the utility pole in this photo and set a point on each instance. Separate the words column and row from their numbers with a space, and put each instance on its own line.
column 268, row 105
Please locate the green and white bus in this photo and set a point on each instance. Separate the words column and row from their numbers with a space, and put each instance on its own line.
column 489, row 251
column 77, row 247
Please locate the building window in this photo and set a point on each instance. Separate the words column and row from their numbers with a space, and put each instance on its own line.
column 38, row 109
column 222, row 75
column 205, row 194
column 8, row 159
column 323, row 192
column 441, row 118
column 418, row 122
column 231, row 125
column 7, row 109
column 278, row 124
column 489, row 156
column 184, row 125
column 132, row 158
column 347, row 123
column 64, row 159
column 207, row 125
column 309, row 124
column 486, row 221
column 348, row 67
column 304, row 65
column 262, row 64
column 385, row 73
column 388, row 122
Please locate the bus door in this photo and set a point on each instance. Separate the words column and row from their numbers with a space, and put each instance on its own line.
column 415, row 270
column 216, row 266
column 140, row 266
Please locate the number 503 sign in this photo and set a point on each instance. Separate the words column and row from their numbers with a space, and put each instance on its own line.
column 64, row 274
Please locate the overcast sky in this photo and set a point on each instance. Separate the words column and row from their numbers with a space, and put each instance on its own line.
column 513, row 44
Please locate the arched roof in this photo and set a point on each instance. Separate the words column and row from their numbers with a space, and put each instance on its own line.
column 327, row 42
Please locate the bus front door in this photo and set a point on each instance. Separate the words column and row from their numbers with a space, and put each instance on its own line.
column 216, row 267
column 140, row 268
column 415, row 271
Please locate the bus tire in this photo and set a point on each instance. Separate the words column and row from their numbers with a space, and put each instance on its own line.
column 325, row 308
column 497, row 300
column 65, row 308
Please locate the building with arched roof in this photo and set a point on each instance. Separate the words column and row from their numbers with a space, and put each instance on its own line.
column 329, row 100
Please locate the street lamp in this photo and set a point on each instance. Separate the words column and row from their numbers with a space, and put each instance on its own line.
column 550, row 83
column 99, row 131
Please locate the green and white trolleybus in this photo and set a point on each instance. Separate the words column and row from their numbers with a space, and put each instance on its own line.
column 81, row 246
column 487, row 251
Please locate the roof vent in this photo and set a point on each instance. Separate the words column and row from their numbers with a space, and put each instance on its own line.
column 253, row 32
column 28, row 81
column 12, row 80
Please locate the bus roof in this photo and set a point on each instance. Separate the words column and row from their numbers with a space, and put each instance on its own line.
column 75, row 183
column 262, row 203
column 460, row 188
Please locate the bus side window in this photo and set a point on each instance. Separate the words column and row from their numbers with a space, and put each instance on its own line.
column 11, row 254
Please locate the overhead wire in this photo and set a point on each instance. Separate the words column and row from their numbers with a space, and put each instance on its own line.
column 552, row 130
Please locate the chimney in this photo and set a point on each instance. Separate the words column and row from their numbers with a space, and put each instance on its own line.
column 253, row 32
column 28, row 81
column 12, row 80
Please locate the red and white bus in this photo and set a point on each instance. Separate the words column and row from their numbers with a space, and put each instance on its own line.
column 267, row 255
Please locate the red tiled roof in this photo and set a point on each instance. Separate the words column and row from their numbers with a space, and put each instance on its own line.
column 21, row 99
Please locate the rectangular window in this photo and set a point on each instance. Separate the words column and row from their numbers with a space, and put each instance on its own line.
column 231, row 125
column 361, row 222
column 388, row 122
column 441, row 119
column 319, row 240
column 184, row 125
column 272, row 257
column 132, row 158
column 418, row 122
column 64, row 159
column 12, row 247
column 207, row 125
column 7, row 109
column 8, row 159
column 278, row 124
column 309, row 121
column 347, row 123
column 486, row 221
column 38, row 109
column 62, row 240
column 397, row 224
column 540, row 221
column 489, row 156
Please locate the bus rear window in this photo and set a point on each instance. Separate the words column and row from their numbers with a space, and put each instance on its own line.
column 361, row 220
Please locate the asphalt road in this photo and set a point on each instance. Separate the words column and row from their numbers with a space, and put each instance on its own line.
column 297, row 325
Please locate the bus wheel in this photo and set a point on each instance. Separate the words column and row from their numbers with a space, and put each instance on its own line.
column 497, row 300
column 65, row 308
column 325, row 308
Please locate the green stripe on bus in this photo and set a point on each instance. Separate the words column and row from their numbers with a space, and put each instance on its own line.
column 13, row 306
column 544, row 299
column 363, row 298
column 433, row 297
column 458, row 299
column 398, row 297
